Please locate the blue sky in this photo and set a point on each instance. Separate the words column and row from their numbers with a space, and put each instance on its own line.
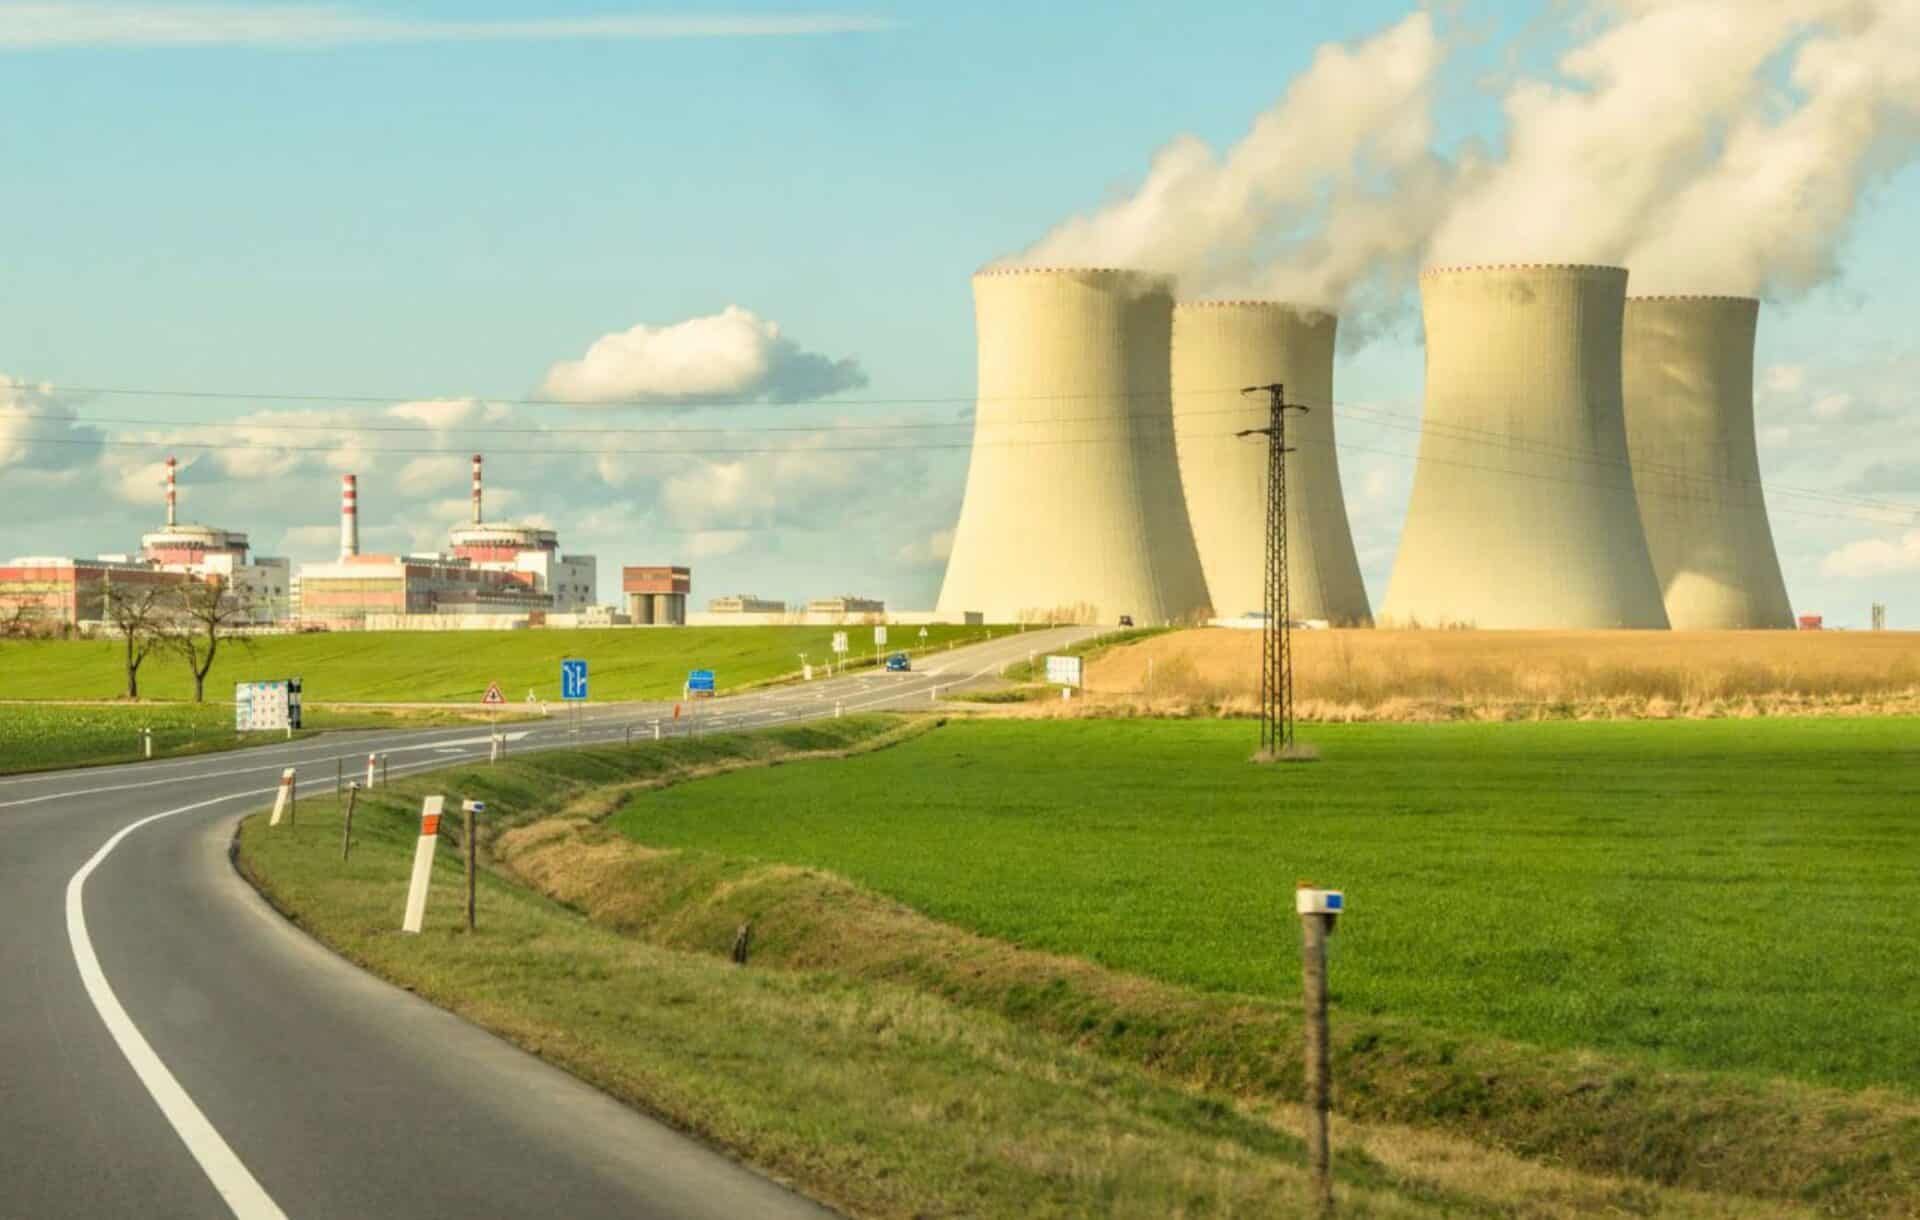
column 446, row 218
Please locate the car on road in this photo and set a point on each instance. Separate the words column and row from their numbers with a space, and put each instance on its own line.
column 897, row 663
column 1126, row 620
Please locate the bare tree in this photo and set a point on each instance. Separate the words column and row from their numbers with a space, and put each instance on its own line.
column 139, row 616
column 203, row 613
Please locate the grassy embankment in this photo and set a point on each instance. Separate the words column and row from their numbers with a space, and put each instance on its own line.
column 1517, row 675
column 40, row 737
column 898, row 1065
column 455, row 666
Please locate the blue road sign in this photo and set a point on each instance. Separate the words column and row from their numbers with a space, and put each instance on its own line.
column 700, row 681
column 573, row 679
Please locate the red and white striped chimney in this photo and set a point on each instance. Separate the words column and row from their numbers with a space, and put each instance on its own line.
column 476, row 489
column 171, row 494
column 349, row 518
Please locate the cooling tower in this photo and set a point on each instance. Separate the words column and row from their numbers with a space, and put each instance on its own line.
column 1218, row 348
column 1687, row 365
column 1523, row 511
column 1073, row 505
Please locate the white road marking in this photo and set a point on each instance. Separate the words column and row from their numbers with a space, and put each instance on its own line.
column 242, row 1192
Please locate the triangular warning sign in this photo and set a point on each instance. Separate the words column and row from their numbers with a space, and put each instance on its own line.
column 493, row 694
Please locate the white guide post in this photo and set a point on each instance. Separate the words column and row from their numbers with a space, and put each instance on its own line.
column 280, row 798
column 370, row 761
column 423, row 863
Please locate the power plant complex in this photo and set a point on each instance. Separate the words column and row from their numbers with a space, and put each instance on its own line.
column 1584, row 461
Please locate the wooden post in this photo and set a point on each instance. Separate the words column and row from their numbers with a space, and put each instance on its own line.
column 346, row 827
column 339, row 773
column 466, row 809
column 383, row 770
column 1316, row 921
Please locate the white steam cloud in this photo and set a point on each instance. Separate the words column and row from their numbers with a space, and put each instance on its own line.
column 731, row 356
column 1717, row 146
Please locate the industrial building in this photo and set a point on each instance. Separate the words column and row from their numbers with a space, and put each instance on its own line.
column 359, row 590
column 1523, row 511
column 74, row 591
column 846, row 604
column 1073, row 507
column 745, row 603
column 571, row 581
column 54, row 590
column 1220, row 347
column 1687, row 368
column 657, row 596
column 260, row 585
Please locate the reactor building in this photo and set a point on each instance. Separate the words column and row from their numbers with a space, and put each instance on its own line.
column 1073, row 508
column 1523, row 512
column 1219, row 348
column 1687, row 367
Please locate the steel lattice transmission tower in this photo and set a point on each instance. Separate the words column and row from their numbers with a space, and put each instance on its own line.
column 1276, row 633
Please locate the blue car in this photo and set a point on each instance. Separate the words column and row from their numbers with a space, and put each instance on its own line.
column 897, row 663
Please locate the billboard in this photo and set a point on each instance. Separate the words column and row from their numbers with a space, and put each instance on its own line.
column 266, row 705
column 1063, row 670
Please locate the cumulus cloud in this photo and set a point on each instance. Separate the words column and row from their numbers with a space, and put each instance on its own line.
column 78, row 23
column 707, row 544
column 1876, row 557
column 40, row 430
column 731, row 356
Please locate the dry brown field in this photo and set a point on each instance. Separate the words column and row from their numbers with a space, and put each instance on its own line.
column 1422, row 675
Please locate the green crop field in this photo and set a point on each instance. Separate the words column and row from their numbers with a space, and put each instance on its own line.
column 1734, row 895
column 450, row 666
column 40, row 737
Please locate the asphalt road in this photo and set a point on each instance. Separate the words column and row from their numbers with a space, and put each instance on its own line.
column 170, row 1046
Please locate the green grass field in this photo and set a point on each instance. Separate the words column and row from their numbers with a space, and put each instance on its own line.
column 41, row 737
column 451, row 666
column 1730, row 895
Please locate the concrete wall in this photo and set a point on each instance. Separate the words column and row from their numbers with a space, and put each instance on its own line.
column 1218, row 348
column 1523, row 512
column 1073, row 493
column 1688, row 375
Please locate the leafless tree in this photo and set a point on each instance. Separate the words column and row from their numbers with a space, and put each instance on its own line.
column 201, row 614
column 139, row 616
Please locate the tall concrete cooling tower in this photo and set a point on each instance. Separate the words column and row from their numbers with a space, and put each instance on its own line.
column 1688, row 371
column 1218, row 348
column 1073, row 506
column 1523, row 511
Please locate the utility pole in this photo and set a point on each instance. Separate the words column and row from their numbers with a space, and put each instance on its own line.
column 1276, row 634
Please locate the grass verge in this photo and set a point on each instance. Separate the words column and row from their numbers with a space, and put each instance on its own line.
column 897, row 1067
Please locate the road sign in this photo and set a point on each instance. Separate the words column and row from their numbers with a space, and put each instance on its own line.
column 1063, row 670
column 493, row 694
column 573, row 680
column 923, row 635
column 839, row 641
column 879, row 637
column 700, row 682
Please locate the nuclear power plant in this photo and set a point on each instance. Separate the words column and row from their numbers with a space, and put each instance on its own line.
column 1523, row 513
column 1220, row 347
column 1688, row 375
column 1073, row 506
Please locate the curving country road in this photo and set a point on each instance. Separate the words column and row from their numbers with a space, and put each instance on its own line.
column 170, row 1046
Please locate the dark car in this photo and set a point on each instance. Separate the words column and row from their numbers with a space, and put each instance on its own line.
column 897, row 663
column 1126, row 620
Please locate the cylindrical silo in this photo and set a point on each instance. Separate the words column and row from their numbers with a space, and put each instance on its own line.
column 1219, row 347
column 1688, row 373
column 1073, row 507
column 1523, row 511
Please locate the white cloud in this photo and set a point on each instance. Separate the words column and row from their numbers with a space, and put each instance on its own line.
column 706, row 544
column 444, row 413
column 1785, row 378
column 934, row 548
column 1831, row 406
column 425, row 475
column 731, row 356
column 39, row 430
column 1876, row 557
column 83, row 24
